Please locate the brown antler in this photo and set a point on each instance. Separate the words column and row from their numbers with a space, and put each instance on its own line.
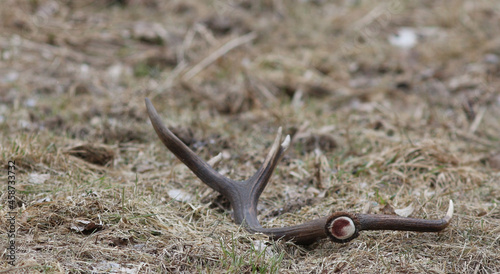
column 244, row 195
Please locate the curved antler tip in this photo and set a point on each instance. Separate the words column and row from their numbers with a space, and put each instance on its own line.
column 286, row 143
column 149, row 106
column 449, row 213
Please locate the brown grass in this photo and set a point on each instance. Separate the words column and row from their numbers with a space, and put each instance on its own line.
column 372, row 125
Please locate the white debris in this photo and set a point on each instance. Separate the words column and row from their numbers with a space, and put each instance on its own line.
column 30, row 102
column 491, row 58
column 37, row 178
column 405, row 38
column 405, row 212
column 43, row 200
column 180, row 195
column 10, row 77
column 84, row 72
column 117, row 71
column 261, row 246
column 112, row 267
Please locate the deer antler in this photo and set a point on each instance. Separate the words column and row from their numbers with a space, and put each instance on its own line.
column 340, row 227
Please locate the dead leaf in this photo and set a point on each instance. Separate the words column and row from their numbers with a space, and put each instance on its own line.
column 98, row 155
column 388, row 209
column 86, row 227
column 121, row 241
column 405, row 212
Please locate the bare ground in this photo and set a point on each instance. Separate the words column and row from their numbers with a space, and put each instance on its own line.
column 390, row 106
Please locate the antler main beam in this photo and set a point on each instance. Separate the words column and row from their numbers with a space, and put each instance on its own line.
column 340, row 227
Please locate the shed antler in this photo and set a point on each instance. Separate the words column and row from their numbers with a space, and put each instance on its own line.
column 340, row 227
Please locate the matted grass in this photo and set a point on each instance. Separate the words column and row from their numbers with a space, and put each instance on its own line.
column 375, row 127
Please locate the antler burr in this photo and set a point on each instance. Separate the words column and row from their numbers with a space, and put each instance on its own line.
column 340, row 227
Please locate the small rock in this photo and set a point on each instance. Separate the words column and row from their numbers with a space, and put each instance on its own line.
column 494, row 161
column 491, row 58
column 152, row 33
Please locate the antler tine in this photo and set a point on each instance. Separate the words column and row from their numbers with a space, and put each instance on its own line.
column 392, row 222
column 199, row 167
column 245, row 196
column 259, row 180
column 339, row 227
column 343, row 227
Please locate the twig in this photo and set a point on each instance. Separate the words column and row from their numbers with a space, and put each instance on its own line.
column 470, row 137
column 238, row 41
column 12, row 269
column 477, row 121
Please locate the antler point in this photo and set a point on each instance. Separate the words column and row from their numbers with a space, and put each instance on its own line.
column 286, row 143
column 449, row 213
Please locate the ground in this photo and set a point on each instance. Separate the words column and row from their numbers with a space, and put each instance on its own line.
column 392, row 107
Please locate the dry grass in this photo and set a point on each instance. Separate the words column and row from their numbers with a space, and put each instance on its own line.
column 372, row 125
